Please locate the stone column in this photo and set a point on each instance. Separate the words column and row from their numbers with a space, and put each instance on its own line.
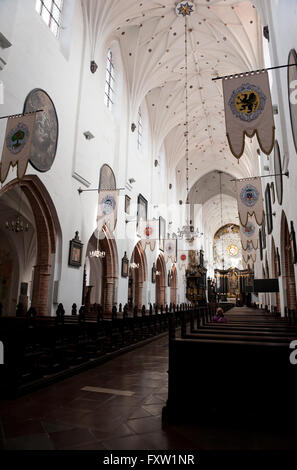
column 108, row 294
column 138, row 294
column 40, row 288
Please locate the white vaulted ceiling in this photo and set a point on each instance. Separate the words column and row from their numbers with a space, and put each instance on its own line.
column 224, row 37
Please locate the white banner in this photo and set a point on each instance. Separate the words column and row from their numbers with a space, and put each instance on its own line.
column 249, row 233
column 17, row 144
column 183, row 258
column 250, row 200
column 248, row 111
column 149, row 233
column 249, row 255
column 107, row 209
column 170, row 246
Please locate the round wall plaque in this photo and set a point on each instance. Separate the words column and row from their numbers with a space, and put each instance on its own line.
column 292, row 75
column 278, row 171
column 45, row 139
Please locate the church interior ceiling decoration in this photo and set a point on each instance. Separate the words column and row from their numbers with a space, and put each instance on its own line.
column 248, row 111
column 46, row 129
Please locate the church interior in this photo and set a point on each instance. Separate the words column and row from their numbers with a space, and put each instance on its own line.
column 147, row 232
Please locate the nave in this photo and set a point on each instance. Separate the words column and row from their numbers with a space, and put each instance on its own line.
column 118, row 405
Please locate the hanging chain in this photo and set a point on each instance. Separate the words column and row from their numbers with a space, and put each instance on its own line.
column 186, row 133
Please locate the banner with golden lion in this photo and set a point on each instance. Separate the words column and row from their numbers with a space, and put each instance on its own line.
column 248, row 111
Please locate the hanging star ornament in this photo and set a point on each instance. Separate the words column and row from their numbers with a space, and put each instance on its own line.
column 185, row 8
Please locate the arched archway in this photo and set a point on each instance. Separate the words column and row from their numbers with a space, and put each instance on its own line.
column 161, row 281
column 39, row 247
column 288, row 274
column 137, row 277
column 173, row 285
column 274, row 268
column 101, row 273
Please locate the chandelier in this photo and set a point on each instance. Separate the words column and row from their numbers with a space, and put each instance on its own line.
column 17, row 225
column 97, row 253
column 134, row 265
column 188, row 231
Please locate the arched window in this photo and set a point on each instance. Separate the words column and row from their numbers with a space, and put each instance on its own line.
column 139, row 130
column 109, row 81
column 51, row 13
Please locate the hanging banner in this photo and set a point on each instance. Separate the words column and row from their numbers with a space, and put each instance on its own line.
column 249, row 255
column 183, row 258
column 249, row 200
column 149, row 233
column 248, row 111
column 249, row 233
column 170, row 250
column 107, row 209
column 17, row 144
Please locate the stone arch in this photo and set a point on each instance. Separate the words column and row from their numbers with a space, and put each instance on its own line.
column 173, row 285
column 288, row 275
column 161, row 281
column 101, row 274
column 137, row 276
column 47, row 228
column 274, row 269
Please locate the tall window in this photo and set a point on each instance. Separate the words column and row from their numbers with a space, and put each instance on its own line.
column 139, row 130
column 109, row 81
column 51, row 11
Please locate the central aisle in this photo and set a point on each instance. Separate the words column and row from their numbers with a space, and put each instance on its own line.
column 118, row 405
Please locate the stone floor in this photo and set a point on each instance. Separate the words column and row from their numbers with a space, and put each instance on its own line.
column 118, row 406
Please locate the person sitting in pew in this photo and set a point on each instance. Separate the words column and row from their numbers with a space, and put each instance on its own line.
column 219, row 316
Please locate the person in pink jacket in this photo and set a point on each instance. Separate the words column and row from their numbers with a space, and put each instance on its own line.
column 219, row 316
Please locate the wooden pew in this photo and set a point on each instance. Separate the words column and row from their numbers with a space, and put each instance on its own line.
column 241, row 371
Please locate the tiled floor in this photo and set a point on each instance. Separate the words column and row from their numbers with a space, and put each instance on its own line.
column 63, row 416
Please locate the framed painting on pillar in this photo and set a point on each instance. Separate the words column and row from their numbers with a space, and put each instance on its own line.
column 162, row 232
column 169, row 278
column 125, row 266
column 141, row 208
column 75, row 251
column 154, row 273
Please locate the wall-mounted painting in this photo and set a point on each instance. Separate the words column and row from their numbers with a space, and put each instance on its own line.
column 125, row 266
column 127, row 204
column 162, row 232
column 75, row 251
column 141, row 208
column 154, row 269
